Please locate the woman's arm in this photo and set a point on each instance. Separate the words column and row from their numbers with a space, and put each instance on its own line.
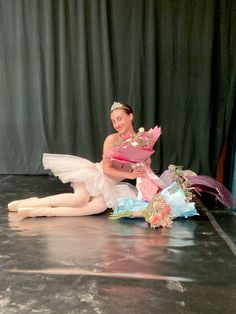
column 120, row 175
column 108, row 166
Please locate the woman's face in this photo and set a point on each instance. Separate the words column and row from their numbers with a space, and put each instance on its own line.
column 121, row 121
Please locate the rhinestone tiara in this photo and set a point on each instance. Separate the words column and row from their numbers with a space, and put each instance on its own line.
column 118, row 105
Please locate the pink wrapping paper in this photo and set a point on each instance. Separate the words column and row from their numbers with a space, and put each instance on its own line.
column 129, row 153
column 133, row 153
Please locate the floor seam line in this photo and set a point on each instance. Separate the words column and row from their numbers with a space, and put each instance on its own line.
column 221, row 232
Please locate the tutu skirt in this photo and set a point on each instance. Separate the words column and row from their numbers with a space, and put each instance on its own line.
column 70, row 168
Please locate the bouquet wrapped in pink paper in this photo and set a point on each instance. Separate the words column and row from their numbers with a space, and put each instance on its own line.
column 203, row 183
column 193, row 183
column 136, row 150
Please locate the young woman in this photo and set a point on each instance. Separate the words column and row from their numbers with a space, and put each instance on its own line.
column 97, row 186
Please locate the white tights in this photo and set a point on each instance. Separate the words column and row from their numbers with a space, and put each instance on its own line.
column 66, row 204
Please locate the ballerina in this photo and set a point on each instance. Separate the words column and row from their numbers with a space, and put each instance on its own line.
column 96, row 186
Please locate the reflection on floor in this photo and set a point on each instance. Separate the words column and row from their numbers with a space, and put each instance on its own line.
column 94, row 265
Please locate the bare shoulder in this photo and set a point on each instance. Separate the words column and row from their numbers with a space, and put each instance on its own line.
column 111, row 138
column 109, row 143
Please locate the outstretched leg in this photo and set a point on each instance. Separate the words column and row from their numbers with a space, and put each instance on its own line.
column 79, row 198
column 95, row 206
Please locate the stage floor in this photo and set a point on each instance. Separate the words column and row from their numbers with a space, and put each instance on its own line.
column 69, row 265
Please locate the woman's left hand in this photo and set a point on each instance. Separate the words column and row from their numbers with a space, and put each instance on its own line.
column 139, row 171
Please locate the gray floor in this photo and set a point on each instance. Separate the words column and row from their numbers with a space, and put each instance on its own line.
column 94, row 265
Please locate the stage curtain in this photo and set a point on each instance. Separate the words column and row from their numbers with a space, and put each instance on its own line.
column 63, row 63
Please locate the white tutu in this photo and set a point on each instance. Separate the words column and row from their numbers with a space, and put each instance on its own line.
column 71, row 168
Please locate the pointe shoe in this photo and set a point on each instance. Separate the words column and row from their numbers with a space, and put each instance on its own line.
column 14, row 206
column 26, row 211
column 34, row 212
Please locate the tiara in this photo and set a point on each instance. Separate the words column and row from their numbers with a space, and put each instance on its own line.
column 118, row 105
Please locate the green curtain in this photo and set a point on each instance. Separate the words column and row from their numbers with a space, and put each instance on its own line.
column 64, row 62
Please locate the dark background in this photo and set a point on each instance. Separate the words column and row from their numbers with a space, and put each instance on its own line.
column 63, row 63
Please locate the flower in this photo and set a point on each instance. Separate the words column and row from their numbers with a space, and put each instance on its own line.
column 162, row 209
column 180, row 177
column 137, row 147
column 141, row 130
column 155, row 219
column 172, row 167
column 142, row 138
column 158, row 212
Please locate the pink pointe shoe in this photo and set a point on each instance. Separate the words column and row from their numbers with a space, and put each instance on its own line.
column 14, row 206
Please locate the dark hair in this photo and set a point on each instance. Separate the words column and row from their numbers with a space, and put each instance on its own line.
column 127, row 109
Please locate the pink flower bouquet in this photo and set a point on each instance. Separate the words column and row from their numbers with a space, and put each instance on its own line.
column 135, row 150
column 158, row 212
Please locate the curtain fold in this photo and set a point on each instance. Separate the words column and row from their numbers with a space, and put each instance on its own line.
column 63, row 63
